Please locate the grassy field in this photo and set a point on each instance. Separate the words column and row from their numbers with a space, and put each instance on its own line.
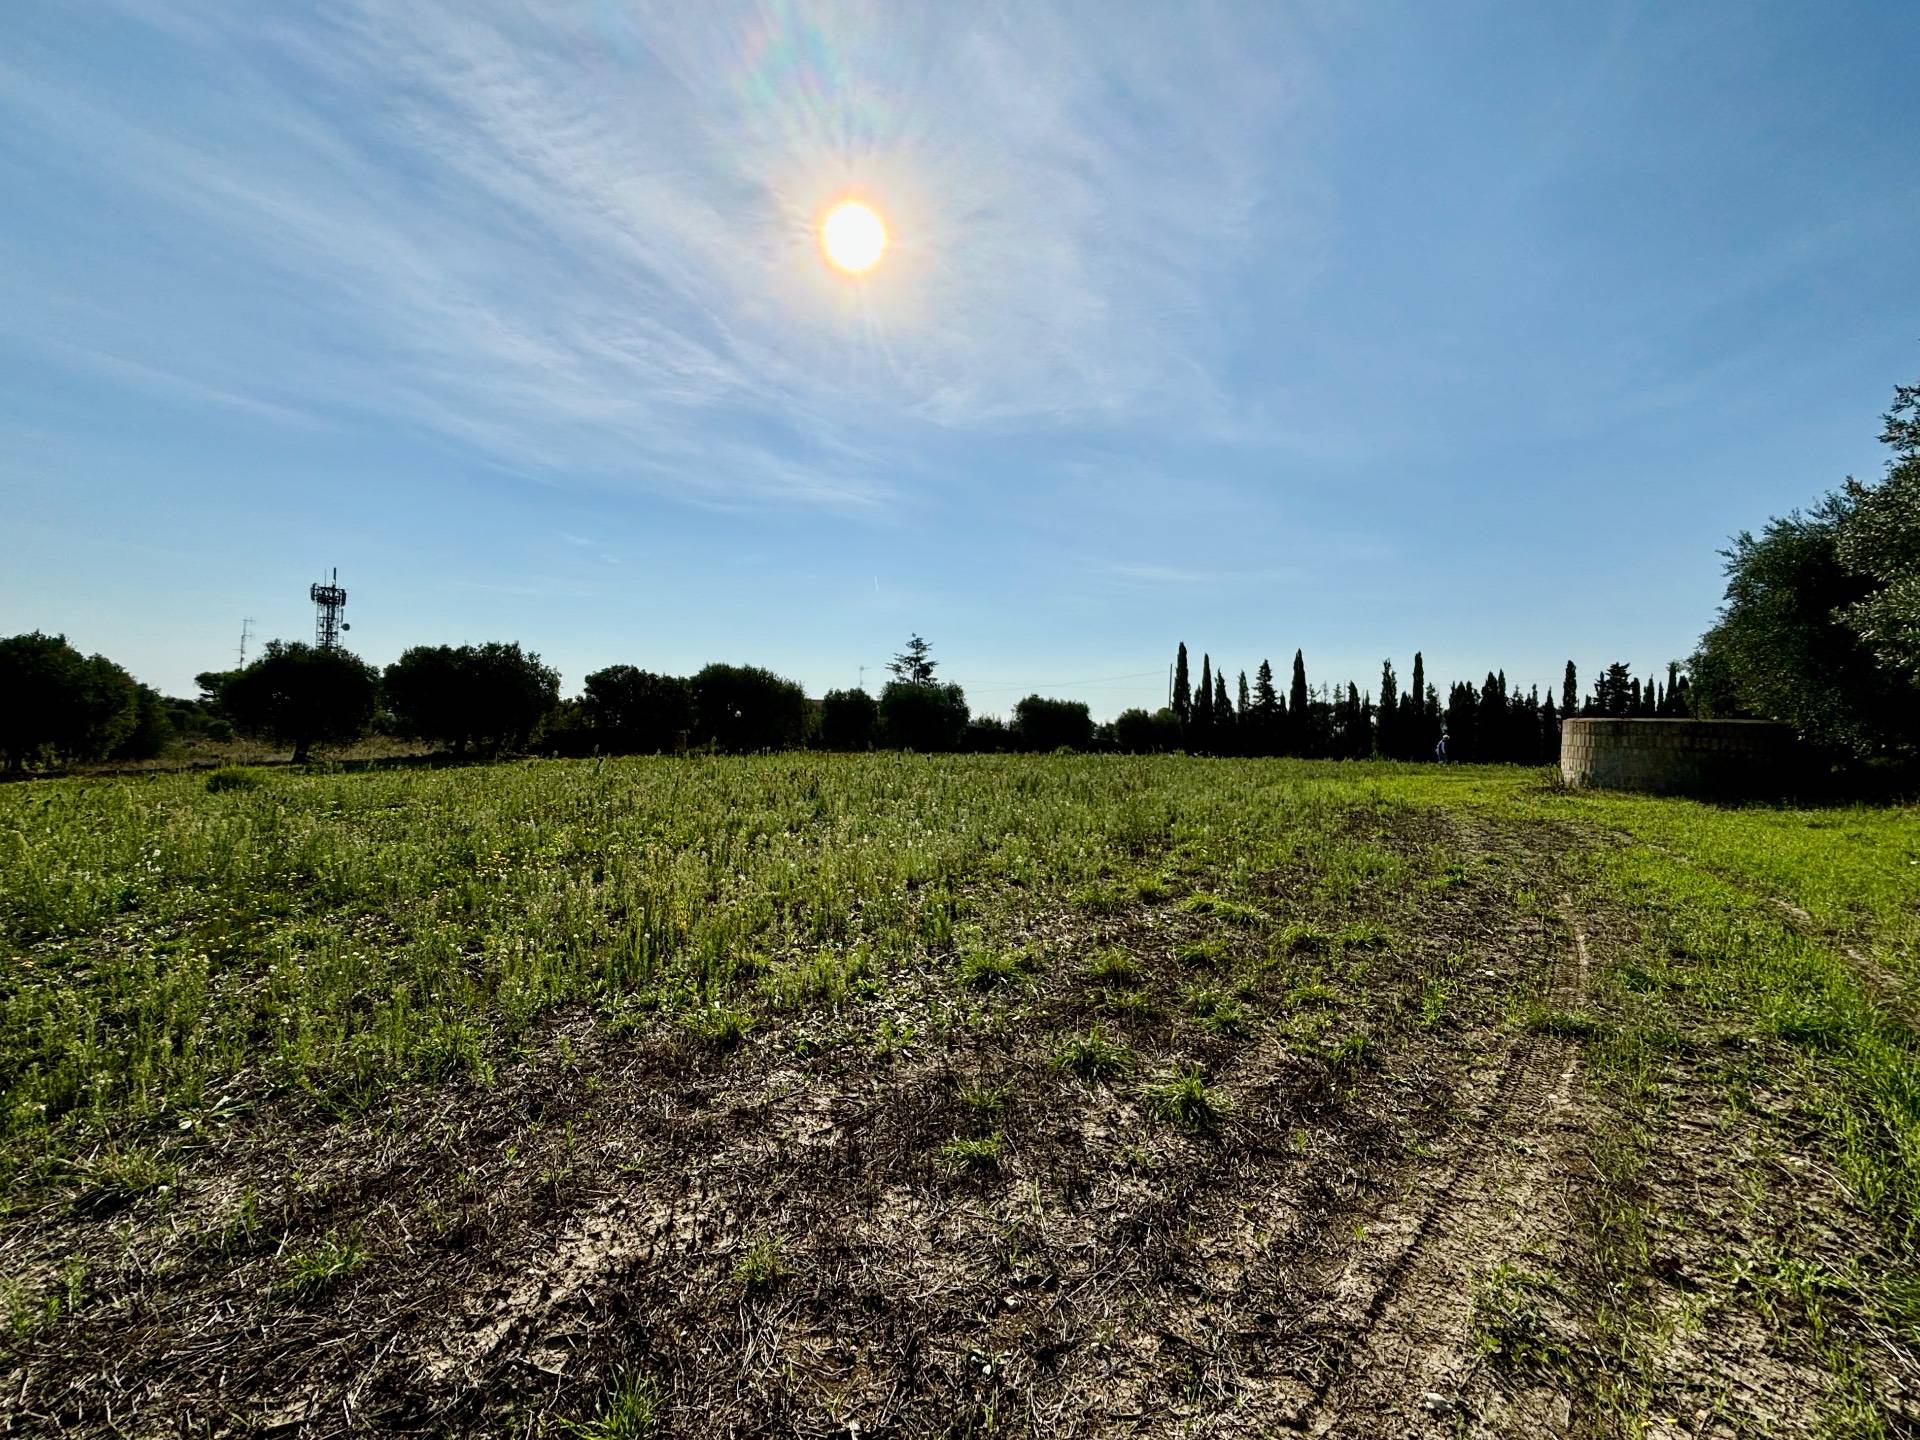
column 888, row 1095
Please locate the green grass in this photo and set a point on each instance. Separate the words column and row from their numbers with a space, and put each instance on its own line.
column 316, row 1267
column 761, row 1265
column 1093, row 1056
column 185, row 951
column 630, row 1411
column 980, row 968
column 1112, row 966
column 978, row 1153
column 1184, row 1098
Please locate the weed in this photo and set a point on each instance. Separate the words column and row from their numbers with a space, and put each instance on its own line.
column 630, row 1411
column 1136, row 1003
column 1092, row 1056
column 984, row 969
column 717, row 1025
column 1511, row 1326
column 1299, row 939
column 120, row 1176
column 1220, row 908
column 1207, row 952
column 983, row 1099
column 1216, row 1010
column 312, row 1269
column 1541, row 1019
column 975, row 1154
column 1183, row 1098
column 760, row 1266
column 1111, row 966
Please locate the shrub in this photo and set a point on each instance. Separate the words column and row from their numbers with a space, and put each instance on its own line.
column 926, row 716
column 1042, row 725
column 849, row 720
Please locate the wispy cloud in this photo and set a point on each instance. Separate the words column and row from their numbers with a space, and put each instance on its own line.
column 578, row 240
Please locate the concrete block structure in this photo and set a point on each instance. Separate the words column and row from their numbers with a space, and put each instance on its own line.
column 1713, row 759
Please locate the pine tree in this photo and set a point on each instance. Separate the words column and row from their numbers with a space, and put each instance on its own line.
column 1267, row 714
column 1523, row 727
column 1490, row 731
column 915, row 664
column 1182, row 688
column 1570, row 691
column 1613, row 692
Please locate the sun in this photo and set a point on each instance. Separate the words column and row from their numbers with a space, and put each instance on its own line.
column 853, row 237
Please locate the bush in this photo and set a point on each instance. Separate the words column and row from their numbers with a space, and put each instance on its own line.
column 1042, row 725
column 927, row 716
column 849, row 720
column 1138, row 733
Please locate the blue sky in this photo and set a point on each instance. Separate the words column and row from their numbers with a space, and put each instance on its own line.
column 1471, row 328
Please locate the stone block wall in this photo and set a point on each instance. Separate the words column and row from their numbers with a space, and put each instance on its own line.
column 1719, row 759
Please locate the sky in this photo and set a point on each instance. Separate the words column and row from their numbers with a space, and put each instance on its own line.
column 1476, row 329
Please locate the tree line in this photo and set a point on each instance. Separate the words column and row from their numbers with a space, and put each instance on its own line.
column 496, row 698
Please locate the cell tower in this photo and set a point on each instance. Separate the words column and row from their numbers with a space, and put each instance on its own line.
column 246, row 634
column 328, row 601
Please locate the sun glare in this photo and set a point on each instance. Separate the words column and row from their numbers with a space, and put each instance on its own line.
column 853, row 237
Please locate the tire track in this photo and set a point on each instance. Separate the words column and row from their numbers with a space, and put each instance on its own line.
column 1406, row 1356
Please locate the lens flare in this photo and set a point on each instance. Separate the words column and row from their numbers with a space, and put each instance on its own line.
column 853, row 237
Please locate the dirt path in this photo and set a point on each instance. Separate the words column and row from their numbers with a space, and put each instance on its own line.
column 1400, row 1301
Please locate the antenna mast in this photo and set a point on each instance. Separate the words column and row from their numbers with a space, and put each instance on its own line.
column 328, row 601
column 246, row 629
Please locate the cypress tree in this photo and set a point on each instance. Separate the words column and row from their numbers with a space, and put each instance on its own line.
column 1570, row 691
column 1297, row 707
column 1223, row 717
column 1203, row 707
column 1386, row 740
column 1419, row 744
column 1182, row 688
